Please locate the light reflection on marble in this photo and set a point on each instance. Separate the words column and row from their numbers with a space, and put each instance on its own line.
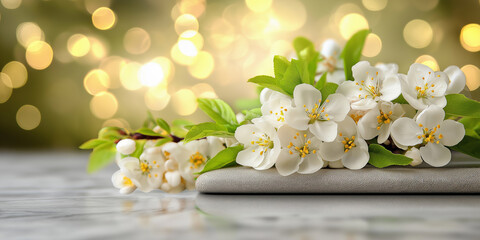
column 48, row 195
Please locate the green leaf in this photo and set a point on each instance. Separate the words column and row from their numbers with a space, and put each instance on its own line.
column 321, row 82
column 207, row 129
column 461, row 106
column 253, row 113
column 245, row 104
column 280, row 65
column 163, row 124
column 469, row 145
column 353, row 51
column 266, row 81
column 306, row 51
column 297, row 73
column 225, row 158
column 218, row 110
column 93, row 143
column 101, row 157
column 472, row 126
column 147, row 132
column 162, row 141
column 381, row 157
column 110, row 133
column 400, row 99
column 178, row 127
column 139, row 144
column 328, row 89
column 150, row 119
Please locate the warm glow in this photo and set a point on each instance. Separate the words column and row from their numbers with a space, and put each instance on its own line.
column 17, row 74
column 5, row 87
column 258, row 5
column 195, row 37
column 428, row 61
column 204, row 90
column 39, row 55
column 136, row 41
column 112, row 66
column 202, row 66
column 11, row 4
column 184, row 102
column 470, row 37
column 103, row 18
column 375, row 5
column 194, row 7
column 418, row 33
column 97, row 48
column 29, row 32
column 151, row 74
column 157, row 98
column 289, row 15
column 472, row 73
column 179, row 57
column 352, row 23
column 129, row 76
column 373, row 45
column 104, row 105
column 28, row 117
column 96, row 81
column 168, row 68
column 187, row 48
column 78, row 45
column 186, row 22
column 92, row 5
column 116, row 122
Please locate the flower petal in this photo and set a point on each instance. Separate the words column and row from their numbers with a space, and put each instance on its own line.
column 287, row 163
column 431, row 117
column 337, row 77
column 405, row 131
column 414, row 154
column 367, row 125
column 310, row 164
column 349, row 90
column 364, row 104
column 331, row 151
column 297, row 118
column 173, row 178
column 384, row 133
column 336, row 106
column 436, row 155
column 357, row 157
column 270, row 157
column 330, row 48
column 452, row 132
column 287, row 135
column 324, row 130
column 457, row 79
column 347, row 127
column 437, row 101
column 391, row 88
column 360, row 70
column 335, row 164
column 250, row 157
column 306, row 96
column 244, row 134
column 117, row 179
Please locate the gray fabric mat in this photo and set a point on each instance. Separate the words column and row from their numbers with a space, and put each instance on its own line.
column 367, row 180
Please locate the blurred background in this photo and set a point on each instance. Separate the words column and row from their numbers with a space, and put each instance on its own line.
column 69, row 67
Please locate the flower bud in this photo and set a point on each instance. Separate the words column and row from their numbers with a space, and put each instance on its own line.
column 171, row 165
column 414, row 154
column 126, row 146
column 336, row 164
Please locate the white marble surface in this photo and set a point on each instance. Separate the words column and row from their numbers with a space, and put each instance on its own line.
column 48, row 195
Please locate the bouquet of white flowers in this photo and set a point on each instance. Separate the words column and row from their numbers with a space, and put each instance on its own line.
column 325, row 109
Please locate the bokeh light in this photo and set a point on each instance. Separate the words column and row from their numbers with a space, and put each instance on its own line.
column 418, row 33
column 28, row 117
column 5, row 87
column 470, row 37
column 136, row 41
column 156, row 98
column 472, row 73
column 429, row 61
column 29, row 32
column 373, row 45
column 17, row 74
column 151, row 74
column 112, row 65
column 116, row 122
column 375, row 5
column 92, row 5
column 425, row 5
column 96, row 81
column 184, row 102
column 179, row 57
column 258, row 5
column 186, row 22
column 289, row 15
column 129, row 76
column 204, row 90
column 78, row 45
column 187, row 48
column 39, row 55
column 103, row 18
column 168, row 68
column 193, row 7
column 11, row 4
column 104, row 105
column 352, row 23
column 202, row 66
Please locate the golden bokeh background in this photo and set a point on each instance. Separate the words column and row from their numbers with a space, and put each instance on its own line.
column 69, row 67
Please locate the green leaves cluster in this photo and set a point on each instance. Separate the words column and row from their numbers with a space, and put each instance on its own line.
column 104, row 150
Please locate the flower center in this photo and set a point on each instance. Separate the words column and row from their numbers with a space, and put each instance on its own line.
column 145, row 168
column 348, row 143
column 371, row 90
column 303, row 150
column 423, row 91
column 330, row 64
column 127, row 182
column 264, row 141
column 280, row 115
column 317, row 112
column 429, row 135
column 356, row 117
column 383, row 118
column 196, row 160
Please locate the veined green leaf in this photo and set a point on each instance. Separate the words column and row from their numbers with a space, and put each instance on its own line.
column 207, row 129
column 93, row 143
column 266, row 81
column 178, row 127
column 321, row 82
column 245, row 104
column 253, row 113
column 469, row 145
column 225, row 158
column 328, row 89
column 472, row 126
column 218, row 110
column 101, row 157
column 304, row 48
column 353, row 51
column 381, row 157
column 162, row 141
column 139, row 144
column 280, row 65
column 163, row 124
column 148, row 132
column 296, row 73
column 461, row 106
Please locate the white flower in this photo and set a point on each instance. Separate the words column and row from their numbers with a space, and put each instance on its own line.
column 423, row 87
column 332, row 64
column 274, row 108
column 456, row 79
column 299, row 152
column 335, row 164
column 414, row 154
column 377, row 121
column 388, row 69
column 174, row 182
column 146, row 173
column 370, row 86
column 348, row 146
column 261, row 143
column 122, row 182
column 126, row 146
column 308, row 112
column 430, row 133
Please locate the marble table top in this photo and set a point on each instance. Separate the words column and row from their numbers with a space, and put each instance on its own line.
column 48, row 195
